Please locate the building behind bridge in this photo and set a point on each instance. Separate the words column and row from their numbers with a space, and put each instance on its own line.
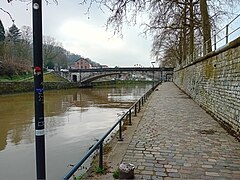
column 85, row 63
column 81, row 63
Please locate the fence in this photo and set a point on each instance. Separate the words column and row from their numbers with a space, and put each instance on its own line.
column 218, row 40
column 135, row 108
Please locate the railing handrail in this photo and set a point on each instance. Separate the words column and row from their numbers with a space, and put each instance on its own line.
column 100, row 141
column 199, row 51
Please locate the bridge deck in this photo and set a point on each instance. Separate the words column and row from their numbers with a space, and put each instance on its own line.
column 125, row 69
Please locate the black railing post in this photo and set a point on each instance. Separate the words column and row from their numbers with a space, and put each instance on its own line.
column 38, row 90
column 99, row 144
column 130, row 117
column 101, row 156
column 139, row 105
column 227, row 33
column 135, row 109
column 142, row 101
column 120, row 131
column 215, row 41
column 161, row 75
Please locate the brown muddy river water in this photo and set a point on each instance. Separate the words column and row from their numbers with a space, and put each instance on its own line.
column 74, row 119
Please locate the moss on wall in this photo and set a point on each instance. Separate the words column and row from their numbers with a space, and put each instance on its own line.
column 208, row 70
column 213, row 82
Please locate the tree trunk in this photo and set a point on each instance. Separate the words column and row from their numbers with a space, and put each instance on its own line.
column 206, row 27
column 185, row 31
column 180, row 49
column 191, row 30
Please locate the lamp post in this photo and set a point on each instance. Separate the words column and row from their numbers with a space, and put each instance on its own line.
column 161, row 71
column 153, row 72
column 161, row 74
column 38, row 90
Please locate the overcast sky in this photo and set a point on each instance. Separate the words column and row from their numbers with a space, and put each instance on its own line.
column 84, row 34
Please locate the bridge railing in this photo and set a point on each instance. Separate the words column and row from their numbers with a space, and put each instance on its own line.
column 219, row 39
column 135, row 108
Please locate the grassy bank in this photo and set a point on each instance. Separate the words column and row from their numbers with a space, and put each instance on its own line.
column 25, row 83
column 47, row 77
column 16, row 78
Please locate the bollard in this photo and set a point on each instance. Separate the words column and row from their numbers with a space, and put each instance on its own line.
column 126, row 171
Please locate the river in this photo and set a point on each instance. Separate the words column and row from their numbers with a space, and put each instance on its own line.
column 74, row 119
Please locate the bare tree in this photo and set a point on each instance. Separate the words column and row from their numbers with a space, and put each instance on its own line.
column 50, row 50
column 206, row 27
column 177, row 26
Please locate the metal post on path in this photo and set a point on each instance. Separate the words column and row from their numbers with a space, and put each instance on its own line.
column 153, row 74
column 38, row 90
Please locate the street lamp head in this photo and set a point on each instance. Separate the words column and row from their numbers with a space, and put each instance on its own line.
column 153, row 62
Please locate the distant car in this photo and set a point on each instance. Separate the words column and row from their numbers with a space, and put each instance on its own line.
column 50, row 70
column 64, row 70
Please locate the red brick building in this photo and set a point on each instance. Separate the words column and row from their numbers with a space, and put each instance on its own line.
column 81, row 64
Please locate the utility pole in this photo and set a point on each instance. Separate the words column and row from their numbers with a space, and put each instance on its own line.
column 38, row 90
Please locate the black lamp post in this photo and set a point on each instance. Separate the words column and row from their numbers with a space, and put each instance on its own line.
column 161, row 71
column 161, row 74
column 38, row 90
column 153, row 72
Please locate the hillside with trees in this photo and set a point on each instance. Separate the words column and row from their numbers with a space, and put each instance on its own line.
column 177, row 28
column 16, row 52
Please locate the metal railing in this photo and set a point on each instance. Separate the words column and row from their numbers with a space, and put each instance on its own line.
column 218, row 40
column 135, row 108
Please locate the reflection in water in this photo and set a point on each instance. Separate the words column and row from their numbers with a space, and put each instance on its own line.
column 73, row 119
column 16, row 114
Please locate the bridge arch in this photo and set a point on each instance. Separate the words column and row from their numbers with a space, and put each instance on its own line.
column 89, row 75
column 93, row 78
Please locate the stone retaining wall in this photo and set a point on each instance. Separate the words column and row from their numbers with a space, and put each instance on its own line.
column 214, row 83
column 18, row 87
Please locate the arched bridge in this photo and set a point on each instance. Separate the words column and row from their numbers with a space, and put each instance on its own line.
column 86, row 76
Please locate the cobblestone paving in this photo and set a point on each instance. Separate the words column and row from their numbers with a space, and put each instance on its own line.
column 176, row 139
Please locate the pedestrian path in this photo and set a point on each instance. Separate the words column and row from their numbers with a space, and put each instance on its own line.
column 177, row 139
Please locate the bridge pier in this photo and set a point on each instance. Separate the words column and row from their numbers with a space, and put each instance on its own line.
column 85, row 85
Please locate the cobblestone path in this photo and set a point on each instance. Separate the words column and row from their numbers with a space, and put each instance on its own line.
column 178, row 139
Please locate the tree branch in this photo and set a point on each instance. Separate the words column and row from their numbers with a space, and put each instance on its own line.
column 7, row 12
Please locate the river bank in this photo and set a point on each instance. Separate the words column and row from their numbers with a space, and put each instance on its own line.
column 21, row 84
column 118, row 82
column 74, row 120
column 28, row 86
column 20, row 87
